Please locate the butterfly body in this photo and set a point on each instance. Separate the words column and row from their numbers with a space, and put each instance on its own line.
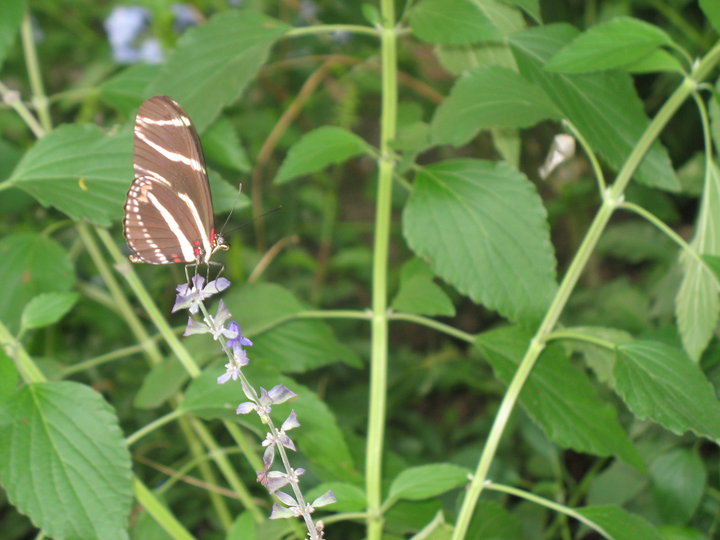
column 168, row 208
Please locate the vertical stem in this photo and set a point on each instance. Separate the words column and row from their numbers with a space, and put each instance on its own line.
column 39, row 98
column 379, row 353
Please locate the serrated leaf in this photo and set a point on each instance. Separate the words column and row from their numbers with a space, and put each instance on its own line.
column 481, row 226
column 222, row 144
column 696, row 304
column 679, row 481
column 11, row 15
column 319, row 437
column 620, row 524
column 47, row 308
column 127, row 90
column 418, row 293
column 559, row 397
column 213, row 63
column 488, row 97
column 292, row 347
column 425, row 481
column 711, row 9
column 603, row 106
column 451, row 22
column 661, row 383
column 25, row 272
column 64, row 462
column 531, row 7
column 79, row 170
column 318, row 149
column 609, row 45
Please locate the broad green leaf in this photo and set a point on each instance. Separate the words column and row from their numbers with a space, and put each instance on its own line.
column 531, row 7
column 213, row 63
column 713, row 263
column 711, row 9
column 609, row 45
column 318, row 149
column 9, row 377
column 619, row 524
column 636, row 242
column 508, row 144
column 491, row 521
column 64, row 462
column 617, row 484
column 427, row 481
column 597, row 344
column 79, row 170
column 319, row 438
column 696, row 304
column 661, row 383
column 222, row 144
column 350, row 497
column 679, row 481
column 419, row 294
column 489, row 97
column 163, row 381
column 603, row 106
column 243, row 528
column 451, row 22
column 482, row 228
column 436, row 529
column 291, row 346
column 11, row 15
column 47, row 308
column 656, row 62
column 126, row 90
column 460, row 58
column 559, row 397
column 30, row 264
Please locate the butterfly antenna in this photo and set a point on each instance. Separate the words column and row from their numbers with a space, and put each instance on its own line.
column 232, row 209
column 278, row 207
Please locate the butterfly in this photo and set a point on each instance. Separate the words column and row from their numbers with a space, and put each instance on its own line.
column 168, row 208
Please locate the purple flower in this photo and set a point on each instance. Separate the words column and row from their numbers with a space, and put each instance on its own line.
column 190, row 297
column 125, row 26
column 235, row 337
column 263, row 406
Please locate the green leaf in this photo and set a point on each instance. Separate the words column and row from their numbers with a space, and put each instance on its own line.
column 47, row 308
column 213, row 63
column 425, row 481
column 226, row 197
column 80, row 171
column 713, row 263
column 419, row 294
column 711, row 9
column 609, row 45
column 600, row 358
column 482, row 228
column 489, row 97
column 350, row 498
column 126, row 90
column 656, row 62
column 679, row 480
column 531, row 7
column 319, row 437
column 163, row 381
column 11, row 15
column 222, row 144
column 318, row 149
column 64, row 462
column 491, row 521
column 619, row 524
column 660, row 382
column 9, row 378
column 243, row 528
column 696, row 304
column 293, row 346
column 26, row 273
column 603, row 106
column 451, row 22
column 559, row 397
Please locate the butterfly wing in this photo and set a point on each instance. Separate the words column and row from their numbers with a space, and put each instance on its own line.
column 168, row 209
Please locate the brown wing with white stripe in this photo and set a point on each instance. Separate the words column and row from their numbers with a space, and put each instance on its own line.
column 168, row 209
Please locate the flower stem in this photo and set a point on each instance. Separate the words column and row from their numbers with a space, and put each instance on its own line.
column 379, row 322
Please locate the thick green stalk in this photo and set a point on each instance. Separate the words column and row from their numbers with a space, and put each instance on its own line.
column 379, row 324
column 611, row 200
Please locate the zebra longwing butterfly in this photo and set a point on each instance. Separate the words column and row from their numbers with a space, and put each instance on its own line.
column 168, row 209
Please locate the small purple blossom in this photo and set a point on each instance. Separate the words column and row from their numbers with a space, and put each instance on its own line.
column 190, row 297
column 235, row 336
column 263, row 406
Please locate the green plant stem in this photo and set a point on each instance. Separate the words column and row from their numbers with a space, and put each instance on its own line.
column 329, row 28
column 39, row 99
column 547, row 503
column 124, row 267
column 379, row 321
column 99, row 360
column 594, row 163
column 12, row 98
column 159, row 512
column 432, row 323
column 24, row 363
column 152, row 426
column 612, row 199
